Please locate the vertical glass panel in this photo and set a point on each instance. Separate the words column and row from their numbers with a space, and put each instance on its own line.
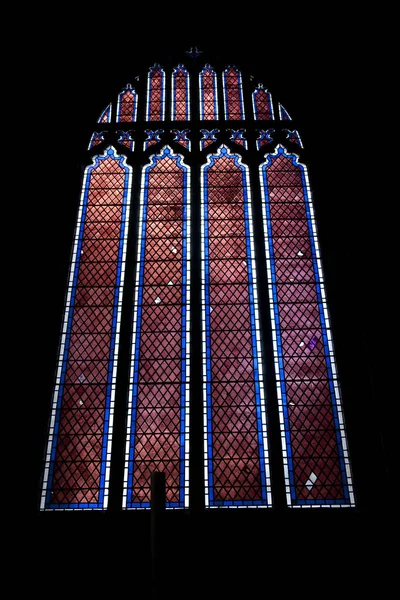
column 155, row 94
column 264, row 137
column 317, row 468
column 180, row 94
column 158, row 413
column 262, row 104
column 127, row 105
column 208, row 94
column 233, row 94
column 78, row 455
column 235, row 438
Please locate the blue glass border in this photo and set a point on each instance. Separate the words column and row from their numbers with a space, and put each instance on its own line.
column 173, row 93
column 135, row 102
column 150, row 89
column 201, row 95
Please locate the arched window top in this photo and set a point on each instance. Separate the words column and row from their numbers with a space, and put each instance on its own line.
column 155, row 110
column 180, row 94
column 262, row 104
column 233, row 93
column 127, row 105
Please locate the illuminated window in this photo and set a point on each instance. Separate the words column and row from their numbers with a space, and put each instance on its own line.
column 208, row 94
column 196, row 339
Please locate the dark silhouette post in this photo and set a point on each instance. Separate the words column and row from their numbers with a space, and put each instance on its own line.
column 157, row 526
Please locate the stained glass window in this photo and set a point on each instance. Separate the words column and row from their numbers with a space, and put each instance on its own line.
column 79, row 446
column 316, row 462
column 155, row 94
column 127, row 105
column 233, row 94
column 158, row 415
column 208, row 94
column 235, row 437
column 283, row 113
column 262, row 104
column 180, row 94
column 105, row 116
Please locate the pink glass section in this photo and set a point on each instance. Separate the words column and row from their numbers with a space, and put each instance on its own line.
column 262, row 105
column 208, row 95
column 235, row 447
column 127, row 106
column 105, row 117
column 237, row 137
column 233, row 94
column 81, row 426
column 157, row 441
column 96, row 139
column 180, row 90
column 155, row 108
column 310, row 431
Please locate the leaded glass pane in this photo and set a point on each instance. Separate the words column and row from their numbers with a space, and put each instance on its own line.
column 208, row 94
column 180, row 94
column 158, row 414
column 236, row 461
column 233, row 94
column 78, row 455
column 155, row 94
column 127, row 105
column 317, row 468
column 262, row 104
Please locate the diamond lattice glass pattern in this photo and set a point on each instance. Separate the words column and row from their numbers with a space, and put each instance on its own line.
column 208, row 94
column 180, row 94
column 233, row 94
column 235, row 437
column 79, row 447
column 313, row 438
column 155, row 95
column 158, row 413
column 127, row 106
